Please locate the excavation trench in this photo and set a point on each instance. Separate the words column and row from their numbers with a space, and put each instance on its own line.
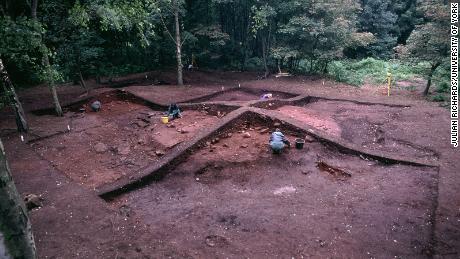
column 227, row 188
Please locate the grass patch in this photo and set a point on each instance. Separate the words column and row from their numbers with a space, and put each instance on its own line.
column 439, row 98
column 373, row 70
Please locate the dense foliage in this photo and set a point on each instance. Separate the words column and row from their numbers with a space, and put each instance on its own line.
column 93, row 38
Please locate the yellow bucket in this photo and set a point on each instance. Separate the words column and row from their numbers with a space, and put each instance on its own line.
column 165, row 119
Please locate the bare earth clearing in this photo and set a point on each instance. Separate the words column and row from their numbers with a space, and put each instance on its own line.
column 228, row 196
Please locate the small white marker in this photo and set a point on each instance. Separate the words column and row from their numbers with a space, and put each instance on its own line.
column 68, row 127
column 22, row 138
column 223, row 88
column 239, row 85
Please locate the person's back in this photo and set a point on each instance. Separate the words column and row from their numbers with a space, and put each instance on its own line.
column 96, row 106
column 174, row 111
column 278, row 141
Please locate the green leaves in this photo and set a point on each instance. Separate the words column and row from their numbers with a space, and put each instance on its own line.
column 318, row 30
column 429, row 41
column 22, row 47
column 379, row 19
column 261, row 16
column 78, row 16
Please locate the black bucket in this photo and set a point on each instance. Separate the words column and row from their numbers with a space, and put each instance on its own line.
column 299, row 143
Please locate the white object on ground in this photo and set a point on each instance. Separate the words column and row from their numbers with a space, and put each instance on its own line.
column 284, row 190
column 267, row 96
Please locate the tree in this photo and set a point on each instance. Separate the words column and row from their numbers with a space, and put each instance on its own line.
column 49, row 73
column 429, row 41
column 262, row 28
column 378, row 18
column 13, row 99
column 15, row 228
column 97, row 38
column 317, row 31
column 408, row 17
column 174, row 10
column 23, row 47
column 178, row 43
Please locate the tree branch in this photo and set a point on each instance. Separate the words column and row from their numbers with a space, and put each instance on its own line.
column 166, row 28
column 185, row 39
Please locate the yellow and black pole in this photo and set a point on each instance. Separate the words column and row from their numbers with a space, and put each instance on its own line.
column 389, row 78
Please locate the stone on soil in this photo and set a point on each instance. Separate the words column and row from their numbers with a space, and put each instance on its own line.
column 123, row 149
column 125, row 211
column 309, row 139
column 263, row 131
column 32, row 201
column 143, row 139
column 159, row 153
column 185, row 130
column 246, row 135
column 101, row 148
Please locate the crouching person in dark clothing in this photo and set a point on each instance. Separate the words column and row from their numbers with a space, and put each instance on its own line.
column 278, row 142
column 174, row 112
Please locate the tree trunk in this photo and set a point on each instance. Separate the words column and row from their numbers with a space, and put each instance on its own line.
column 325, row 70
column 33, row 9
column 15, row 228
column 264, row 54
column 21, row 121
column 57, row 105
column 178, row 43
column 430, row 75
column 52, row 87
column 82, row 81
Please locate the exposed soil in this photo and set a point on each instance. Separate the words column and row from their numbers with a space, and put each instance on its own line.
column 117, row 141
column 235, row 199
column 314, row 202
column 243, row 96
column 235, row 96
column 315, row 118
column 371, row 126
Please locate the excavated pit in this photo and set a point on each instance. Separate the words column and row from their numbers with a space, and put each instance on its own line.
column 370, row 125
column 231, row 197
column 123, row 137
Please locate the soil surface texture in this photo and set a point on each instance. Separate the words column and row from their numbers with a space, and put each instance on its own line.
column 233, row 198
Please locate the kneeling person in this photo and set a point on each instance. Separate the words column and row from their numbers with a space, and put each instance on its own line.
column 278, row 141
column 174, row 111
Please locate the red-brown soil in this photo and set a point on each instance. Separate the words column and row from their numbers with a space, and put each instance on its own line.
column 242, row 96
column 120, row 139
column 252, row 204
column 229, row 200
column 370, row 126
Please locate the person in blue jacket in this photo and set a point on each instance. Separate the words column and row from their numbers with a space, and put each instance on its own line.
column 278, row 142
